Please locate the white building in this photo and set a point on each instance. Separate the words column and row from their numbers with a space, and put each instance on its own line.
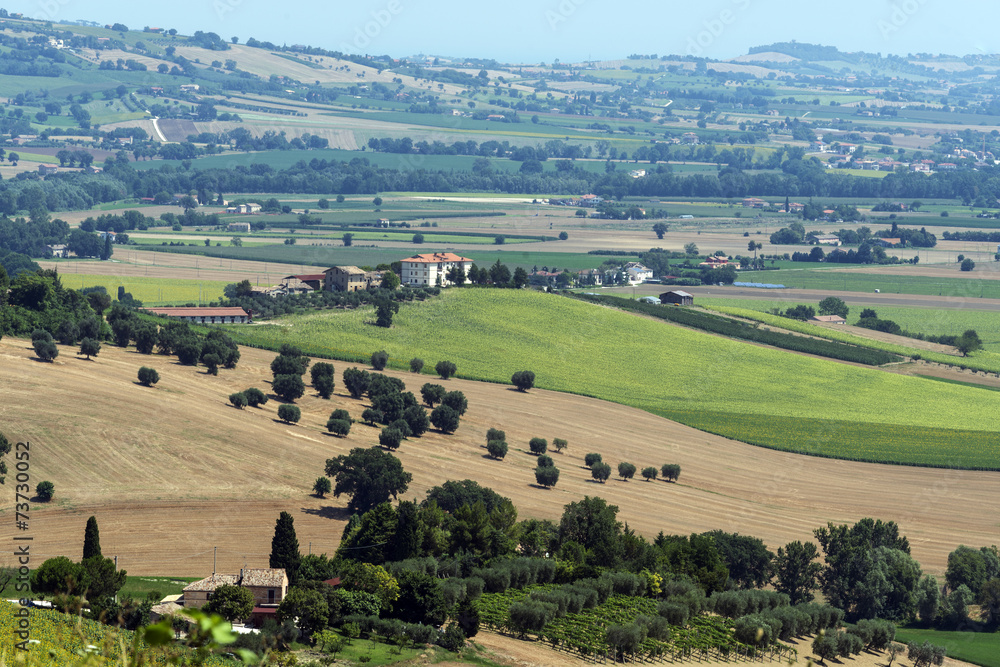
column 432, row 270
column 637, row 273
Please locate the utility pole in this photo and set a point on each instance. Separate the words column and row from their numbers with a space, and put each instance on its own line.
column 215, row 550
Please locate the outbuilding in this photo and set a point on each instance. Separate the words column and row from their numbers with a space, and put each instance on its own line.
column 677, row 297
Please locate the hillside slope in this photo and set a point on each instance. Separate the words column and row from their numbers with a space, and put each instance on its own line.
column 174, row 471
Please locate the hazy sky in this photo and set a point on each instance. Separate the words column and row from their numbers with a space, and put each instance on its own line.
column 570, row 30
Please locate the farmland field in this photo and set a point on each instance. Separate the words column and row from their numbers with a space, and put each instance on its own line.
column 932, row 321
column 151, row 291
column 978, row 648
column 574, row 347
column 860, row 281
column 372, row 256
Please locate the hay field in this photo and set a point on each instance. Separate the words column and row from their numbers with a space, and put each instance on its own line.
column 173, row 471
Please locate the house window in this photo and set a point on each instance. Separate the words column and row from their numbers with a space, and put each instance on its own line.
column 270, row 596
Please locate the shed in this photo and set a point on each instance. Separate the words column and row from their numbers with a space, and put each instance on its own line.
column 677, row 297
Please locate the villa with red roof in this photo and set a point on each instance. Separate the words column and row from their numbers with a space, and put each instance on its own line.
column 431, row 270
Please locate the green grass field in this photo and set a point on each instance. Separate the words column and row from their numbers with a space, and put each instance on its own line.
column 965, row 285
column 151, row 291
column 931, row 321
column 979, row 648
column 755, row 394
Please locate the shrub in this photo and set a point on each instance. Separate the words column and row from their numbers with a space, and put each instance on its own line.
column 288, row 387
column 390, row 438
column 339, row 427
column 497, row 449
column 538, row 445
column 289, row 413
column 547, row 476
column 90, row 347
column 239, row 400
column 600, row 471
column 559, row 444
column 544, row 461
column 650, row 473
column 671, row 472
column 432, row 393
column 674, row 613
column 322, row 486
column 255, row 397
column 445, row 369
column 626, row 470
column 523, row 380
column 495, row 434
column 416, row 365
column 148, row 376
column 379, row 360
column 445, row 419
column 45, row 491
column 45, row 349
column 590, row 459
column 456, row 401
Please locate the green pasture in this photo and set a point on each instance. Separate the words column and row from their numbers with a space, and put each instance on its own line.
column 151, row 291
column 855, row 280
column 979, row 648
column 750, row 393
column 983, row 360
column 139, row 587
column 931, row 321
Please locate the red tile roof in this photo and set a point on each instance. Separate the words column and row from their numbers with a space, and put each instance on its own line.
column 198, row 312
column 437, row 257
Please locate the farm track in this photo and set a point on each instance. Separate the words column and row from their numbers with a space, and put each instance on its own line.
column 174, row 471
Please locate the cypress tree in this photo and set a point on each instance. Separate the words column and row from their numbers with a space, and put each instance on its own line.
column 91, row 539
column 285, row 546
column 406, row 541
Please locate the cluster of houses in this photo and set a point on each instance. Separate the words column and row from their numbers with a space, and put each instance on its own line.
column 847, row 161
column 268, row 585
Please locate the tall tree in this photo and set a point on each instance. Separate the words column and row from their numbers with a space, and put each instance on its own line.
column 593, row 523
column 91, row 539
column 285, row 546
column 369, row 476
column 796, row 573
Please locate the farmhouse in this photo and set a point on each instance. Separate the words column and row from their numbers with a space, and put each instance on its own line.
column 244, row 209
column 58, row 250
column 590, row 277
column 432, row 269
column 107, row 234
column 828, row 239
column 347, row 279
column 637, row 273
column 677, row 297
column 828, row 319
column 714, row 262
column 46, row 169
column 205, row 315
column 754, row 202
column 796, row 207
column 306, row 282
column 238, row 227
column 268, row 585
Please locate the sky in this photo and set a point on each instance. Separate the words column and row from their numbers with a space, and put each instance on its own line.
column 532, row 31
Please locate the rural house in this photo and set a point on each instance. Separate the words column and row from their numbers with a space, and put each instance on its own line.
column 58, row 250
column 46, row 169
column 677, row 297
column 268, row 585
column 205, row 315
column 238, row 227
column 346, row 279
column 430, row 270
column 637, row 273
column 306, row 282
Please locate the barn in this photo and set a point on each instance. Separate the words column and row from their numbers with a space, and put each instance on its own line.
column 678, row 298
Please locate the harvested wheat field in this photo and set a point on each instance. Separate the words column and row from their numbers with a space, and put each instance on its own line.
column 173, row 471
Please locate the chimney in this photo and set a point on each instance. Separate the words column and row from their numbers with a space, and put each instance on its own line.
column 241, row 575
